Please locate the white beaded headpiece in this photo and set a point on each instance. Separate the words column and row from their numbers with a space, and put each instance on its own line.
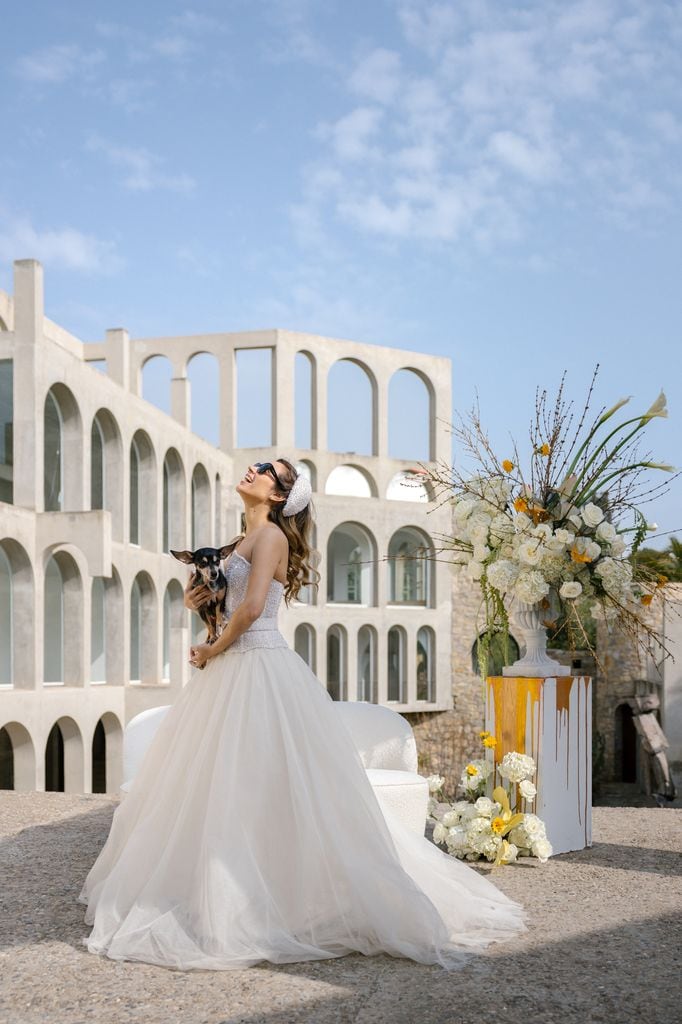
column 299, row 496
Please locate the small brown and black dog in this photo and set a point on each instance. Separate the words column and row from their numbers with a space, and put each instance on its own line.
column 207, row 571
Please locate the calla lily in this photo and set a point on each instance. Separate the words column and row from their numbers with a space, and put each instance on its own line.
column 657, row 409
column 614, row 408
column 505, row 854
column 659, row 465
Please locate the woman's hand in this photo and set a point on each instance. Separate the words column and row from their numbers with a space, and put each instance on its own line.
column 199, row 654
column 195, row 597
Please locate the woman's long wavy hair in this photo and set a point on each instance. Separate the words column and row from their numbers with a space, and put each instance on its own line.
column 298, row 529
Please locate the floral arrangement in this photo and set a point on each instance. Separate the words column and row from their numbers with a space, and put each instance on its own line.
column 558, row 536
column 479, row 826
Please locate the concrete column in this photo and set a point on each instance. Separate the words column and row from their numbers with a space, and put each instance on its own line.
column 352, row 664
column 411, row 666
column 380, row 419
column 117, row 349
column 28, row 417
column 283, row 394
column 228, row 401
column 441, row 438
column 181, row 397
column 319, row 403
column 382, row 666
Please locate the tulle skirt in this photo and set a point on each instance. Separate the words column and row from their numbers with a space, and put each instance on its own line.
column 251, row 832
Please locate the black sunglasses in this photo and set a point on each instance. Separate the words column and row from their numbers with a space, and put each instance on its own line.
column 267, row 467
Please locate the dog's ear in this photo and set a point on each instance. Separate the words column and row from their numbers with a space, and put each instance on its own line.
column 184, row 556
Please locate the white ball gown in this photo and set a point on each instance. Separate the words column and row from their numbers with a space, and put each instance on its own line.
column 252, row 833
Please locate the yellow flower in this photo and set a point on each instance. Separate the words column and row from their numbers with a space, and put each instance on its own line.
column 490, row 741
column 646, row 599
column 507, row 466
column 543, row 449
column 471, row 769
column 579, row 556
column 521, row 505
column 498, row 825
column 662, row 580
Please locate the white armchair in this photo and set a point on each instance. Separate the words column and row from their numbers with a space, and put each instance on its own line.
column 384, row 739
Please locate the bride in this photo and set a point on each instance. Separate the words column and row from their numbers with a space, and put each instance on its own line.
column 251, row 831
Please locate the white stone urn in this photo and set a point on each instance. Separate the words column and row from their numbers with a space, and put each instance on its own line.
column 535, row 661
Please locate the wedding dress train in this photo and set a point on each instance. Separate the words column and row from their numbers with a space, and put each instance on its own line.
column 251, row 832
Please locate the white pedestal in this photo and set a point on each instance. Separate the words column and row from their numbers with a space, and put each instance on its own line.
column 550, row 719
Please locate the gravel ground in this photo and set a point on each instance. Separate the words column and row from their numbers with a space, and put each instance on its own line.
column 604, row 944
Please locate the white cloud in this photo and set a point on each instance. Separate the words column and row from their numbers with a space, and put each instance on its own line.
column 351, row 135
column 534, row 162
column 62, row 248
column 143, row 170
column 57, row 63
column 377, row 76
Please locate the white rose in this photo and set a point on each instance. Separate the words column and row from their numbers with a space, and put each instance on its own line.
column 439, row 832
column 592, row 514
column 576, row 520
column 570, row 590
column 435, row 782
column 586, row 550
column 516, row 767
column 527, row 790
column 531, row 551
column 543, row 530
column 450, row 818
column 535, row 827
column 485, row 806
column 542, row 849
column 502, row 574
column 606, row 532
column 618, row 546
column 565, row 536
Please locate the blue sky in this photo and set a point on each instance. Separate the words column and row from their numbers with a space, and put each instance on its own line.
column 494, row 182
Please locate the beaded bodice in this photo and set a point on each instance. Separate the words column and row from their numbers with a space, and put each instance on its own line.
column 263, row 631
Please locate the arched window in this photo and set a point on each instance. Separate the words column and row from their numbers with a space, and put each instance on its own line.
column 337, row 660
column 97, row 474
column 99, row 759
column 53, row 622
column 426, row 661
column 350, row 565
column 98, row 632
column 173, row 502
column 135, row 494
column 409, row 568
column 201, row 509
column 53, row 454
column 496, row 654
column 6, row 431
column 406, row 487
column 367, row 664
column 135, row 631
column 397, row 664
column 6, row 760
column 350, row 482
column 304, row 644
column 6, row 622
column 54, row 761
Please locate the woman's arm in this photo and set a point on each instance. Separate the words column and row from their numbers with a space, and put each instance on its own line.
column 267, row 553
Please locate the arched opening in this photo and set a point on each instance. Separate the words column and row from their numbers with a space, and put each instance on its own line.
column 106, row 469
column 337, row 662
column 157, row 373
column 357, row 433
column 409, row 568
column 64, row 758
column 98, row 632
column 304, row 644
column 143, row 491
column 6, row 760
column 306, row 467
column 254, row 389
column 201, row 509
column 305, row 368
column 62, row 451
column 218, row 524
column 143, row 630
column 498, row 656
column 426, row 664
column 626, row 745
column 17, row 758
column 350, row 565
column 203, row 373
column 173, row 625
column 7, row 430
column 405, row 487
column 397, row 664
column 62, row 619
column 411, row 403
column 173, row 501
column 367, row 664
column 350, row 482
column 16, row 609
column 99, row 759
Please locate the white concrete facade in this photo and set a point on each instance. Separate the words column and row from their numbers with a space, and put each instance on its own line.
column 92, row 623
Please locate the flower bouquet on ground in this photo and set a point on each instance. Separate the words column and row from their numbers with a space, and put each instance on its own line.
column 480, row 826
column 560, row 539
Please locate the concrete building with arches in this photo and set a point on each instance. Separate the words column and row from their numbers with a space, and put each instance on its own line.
column 97, row 484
